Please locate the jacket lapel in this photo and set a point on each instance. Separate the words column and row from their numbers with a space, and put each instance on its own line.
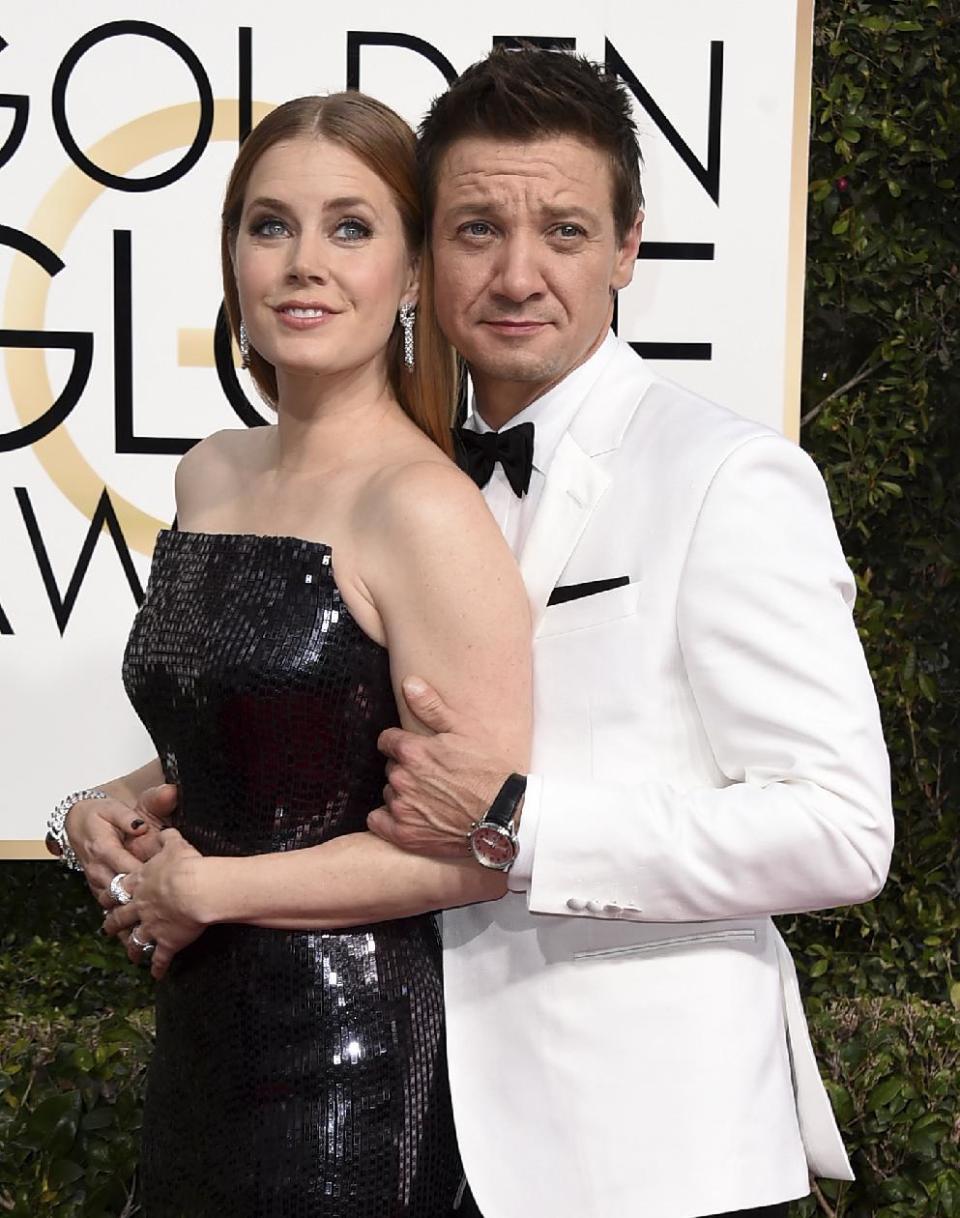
column 572, row 489
column 575, row 480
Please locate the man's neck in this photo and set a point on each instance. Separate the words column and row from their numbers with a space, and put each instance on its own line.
column 498, row 402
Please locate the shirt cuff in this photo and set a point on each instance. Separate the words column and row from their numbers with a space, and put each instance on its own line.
column 521, row 873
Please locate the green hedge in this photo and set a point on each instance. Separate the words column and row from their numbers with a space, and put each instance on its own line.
column 880, row 396
column 880, row 417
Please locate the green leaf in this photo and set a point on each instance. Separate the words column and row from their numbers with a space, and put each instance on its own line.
column 884, row 1092
column 98, row 1118
column 63, row 1171
column 83, row 1058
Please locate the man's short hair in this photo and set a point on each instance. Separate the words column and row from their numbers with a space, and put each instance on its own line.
column 530, row 94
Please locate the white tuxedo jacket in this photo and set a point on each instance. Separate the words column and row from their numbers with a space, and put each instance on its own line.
column 626, row 1039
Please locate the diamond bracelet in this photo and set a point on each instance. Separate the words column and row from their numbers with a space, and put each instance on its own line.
column 57, row 841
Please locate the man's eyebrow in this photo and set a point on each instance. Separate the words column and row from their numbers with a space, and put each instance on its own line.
column 473, row 207
column 549, row 211
column 558, row 211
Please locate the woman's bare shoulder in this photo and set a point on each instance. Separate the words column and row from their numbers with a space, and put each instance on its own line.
column 216, row 465
column 428, row 492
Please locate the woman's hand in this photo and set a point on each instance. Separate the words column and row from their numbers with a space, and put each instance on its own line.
column 163, row 892
column 110, row 837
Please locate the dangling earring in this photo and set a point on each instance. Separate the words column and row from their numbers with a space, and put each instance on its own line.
column 407, row 318
column 244, row 347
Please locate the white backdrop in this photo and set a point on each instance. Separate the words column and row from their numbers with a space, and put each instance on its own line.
column 110, row 291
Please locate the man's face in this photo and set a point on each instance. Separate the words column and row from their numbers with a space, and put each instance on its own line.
column 526, row 260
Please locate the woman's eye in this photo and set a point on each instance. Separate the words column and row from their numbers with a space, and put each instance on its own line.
column 271, row 227
column 353, row 230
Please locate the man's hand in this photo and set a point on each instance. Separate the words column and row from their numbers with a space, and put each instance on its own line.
column 163, row 891
column 437, row 786
column 110, row 837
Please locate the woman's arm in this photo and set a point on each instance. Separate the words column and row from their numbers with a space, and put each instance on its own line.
column 454, row 610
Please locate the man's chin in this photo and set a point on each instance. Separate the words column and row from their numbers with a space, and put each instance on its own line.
column 523, row 367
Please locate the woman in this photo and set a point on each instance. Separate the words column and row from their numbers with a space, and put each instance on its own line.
column 299, row 1066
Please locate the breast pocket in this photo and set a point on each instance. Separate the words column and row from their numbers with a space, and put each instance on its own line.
column 590, row 611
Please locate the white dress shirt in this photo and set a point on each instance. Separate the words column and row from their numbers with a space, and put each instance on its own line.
column 551, row 416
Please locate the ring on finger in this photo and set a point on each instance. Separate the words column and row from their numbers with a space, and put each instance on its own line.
column 147, row 946
column 117, row 890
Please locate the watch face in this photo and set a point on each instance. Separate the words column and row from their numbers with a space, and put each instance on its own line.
column 493, row 846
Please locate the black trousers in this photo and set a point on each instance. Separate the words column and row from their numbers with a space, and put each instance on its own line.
column 468, row 1209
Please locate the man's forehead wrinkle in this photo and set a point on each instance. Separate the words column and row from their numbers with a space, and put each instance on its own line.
column 521, row 170
column 506, row 190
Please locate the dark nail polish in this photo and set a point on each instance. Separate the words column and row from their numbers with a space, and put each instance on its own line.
column 136, row 824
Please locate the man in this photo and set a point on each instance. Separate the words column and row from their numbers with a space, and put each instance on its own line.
column 625, row 1029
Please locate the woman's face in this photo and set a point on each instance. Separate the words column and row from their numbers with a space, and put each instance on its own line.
column 321, row 260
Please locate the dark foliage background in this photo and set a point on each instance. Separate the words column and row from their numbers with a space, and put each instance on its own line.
column 881, row 418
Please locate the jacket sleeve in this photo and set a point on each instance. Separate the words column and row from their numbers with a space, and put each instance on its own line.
column 775, row 665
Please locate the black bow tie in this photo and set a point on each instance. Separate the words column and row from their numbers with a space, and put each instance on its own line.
column 479, row 452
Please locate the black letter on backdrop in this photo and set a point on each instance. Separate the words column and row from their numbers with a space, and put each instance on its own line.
column 126, row 441
column 72, row 340
column 5, row 627
column 245, row 82
column 373, row 38
column 145, row 29
column 708, row 176
column 20, row 106
column 546, row 42
column 104, row 515
column 673, row 251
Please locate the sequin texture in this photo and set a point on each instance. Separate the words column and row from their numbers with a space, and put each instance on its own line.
column 296, row 1074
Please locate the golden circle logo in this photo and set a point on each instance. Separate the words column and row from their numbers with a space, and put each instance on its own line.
column 26, row 302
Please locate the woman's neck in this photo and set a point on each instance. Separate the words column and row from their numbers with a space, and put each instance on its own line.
column 320, row 420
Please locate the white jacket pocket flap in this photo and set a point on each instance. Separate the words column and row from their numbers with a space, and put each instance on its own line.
column 587, row 611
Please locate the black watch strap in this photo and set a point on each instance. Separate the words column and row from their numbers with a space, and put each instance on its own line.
column 504, row 807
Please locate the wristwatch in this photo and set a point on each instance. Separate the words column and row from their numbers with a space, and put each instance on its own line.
column 493, row 840
column 57, row 841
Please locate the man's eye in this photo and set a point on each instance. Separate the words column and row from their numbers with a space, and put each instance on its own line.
column 477, row 228
column 271, row 227
column 569, row 231
column 353, row 230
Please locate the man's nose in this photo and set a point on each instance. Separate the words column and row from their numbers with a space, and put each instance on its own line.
column 519, row 274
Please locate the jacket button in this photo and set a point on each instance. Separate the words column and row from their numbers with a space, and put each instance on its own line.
column 575, row 904
column 595, row 907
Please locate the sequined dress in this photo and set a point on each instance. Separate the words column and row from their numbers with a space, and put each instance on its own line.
column 297, row 1074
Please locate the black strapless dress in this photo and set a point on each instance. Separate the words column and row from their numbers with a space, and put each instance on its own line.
column 297, row 1074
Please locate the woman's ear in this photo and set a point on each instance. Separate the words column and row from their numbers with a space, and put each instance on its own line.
column 411, row 289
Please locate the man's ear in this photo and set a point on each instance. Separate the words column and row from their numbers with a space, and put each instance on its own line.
column 626, row 258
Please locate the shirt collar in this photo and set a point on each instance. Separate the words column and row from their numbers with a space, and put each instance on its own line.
column 555, row 410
